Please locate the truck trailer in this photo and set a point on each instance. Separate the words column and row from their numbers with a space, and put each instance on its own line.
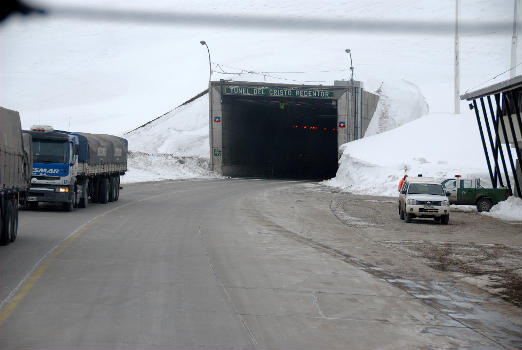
column 71, row 167
column 15, row 172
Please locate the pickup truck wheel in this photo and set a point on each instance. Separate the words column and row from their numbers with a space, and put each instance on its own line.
column 409, row 217
column 484, row 204
column 437, row 218
column 14, row 228
column 6, row 223
column 444, row 220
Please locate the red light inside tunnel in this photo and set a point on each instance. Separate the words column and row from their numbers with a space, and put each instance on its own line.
column 333, row 129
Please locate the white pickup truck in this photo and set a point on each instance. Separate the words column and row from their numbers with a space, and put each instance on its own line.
column 422, row 197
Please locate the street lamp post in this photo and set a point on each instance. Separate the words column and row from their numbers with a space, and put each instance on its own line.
column 211, row 133
column 354, row 96
column 203, row 42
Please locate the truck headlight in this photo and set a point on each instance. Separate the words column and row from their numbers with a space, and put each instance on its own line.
column 62, row 189
column 411, row 201
column 445, row 202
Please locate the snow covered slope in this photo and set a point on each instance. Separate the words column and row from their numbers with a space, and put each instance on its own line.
column 436, row 145
column 399, row 103
column 180, row 132
column 172, row 146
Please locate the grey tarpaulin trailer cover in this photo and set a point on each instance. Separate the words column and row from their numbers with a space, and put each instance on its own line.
column 15, row 172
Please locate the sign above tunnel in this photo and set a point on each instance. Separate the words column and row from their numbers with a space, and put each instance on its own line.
column 278, row 92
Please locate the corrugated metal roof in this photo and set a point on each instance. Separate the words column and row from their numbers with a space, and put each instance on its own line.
column 505, row 85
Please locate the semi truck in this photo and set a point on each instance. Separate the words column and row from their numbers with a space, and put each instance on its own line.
column 71, row 167
column 15, row 172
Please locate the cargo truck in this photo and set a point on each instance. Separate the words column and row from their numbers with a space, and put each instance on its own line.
column 15, row 172
column 71, row 167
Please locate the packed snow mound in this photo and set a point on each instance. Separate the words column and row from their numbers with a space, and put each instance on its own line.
column 510, row 210
column 180, row 132
column 144, row 167
column 436, row 145
column 400, row 102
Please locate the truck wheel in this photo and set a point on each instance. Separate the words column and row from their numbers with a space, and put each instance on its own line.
column 112, row 189
column 33, row 205
column 84, row 200
column 444, row 219
column 14, row 227
column 484, row 204
column 103, row 193
column 68, row 206
column 409, row 217
column 94, row 190
column 6, row 223
column 117, row 184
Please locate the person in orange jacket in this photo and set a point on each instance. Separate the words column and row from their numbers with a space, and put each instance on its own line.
column 402, row 182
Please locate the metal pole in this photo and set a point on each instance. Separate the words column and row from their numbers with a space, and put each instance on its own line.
column 211, row 124
column 457, row 58
column 514, row 41
column 494, row 146
column 474, row 106
column 354, row 102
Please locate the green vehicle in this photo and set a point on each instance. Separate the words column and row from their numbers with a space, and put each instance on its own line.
column 470, row 192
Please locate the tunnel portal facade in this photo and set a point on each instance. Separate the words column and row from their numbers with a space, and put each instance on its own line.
column 283, row 130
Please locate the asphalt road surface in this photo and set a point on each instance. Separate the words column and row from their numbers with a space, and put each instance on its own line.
column 194, row 265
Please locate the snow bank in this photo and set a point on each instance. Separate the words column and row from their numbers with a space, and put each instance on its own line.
column 399, row 103
column 173, row 146
column 510, row 210
column 155, row 167
column 436, row 145
column 181, row 132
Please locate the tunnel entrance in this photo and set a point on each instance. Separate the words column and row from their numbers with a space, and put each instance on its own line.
column 280, row 137
column 260, row 129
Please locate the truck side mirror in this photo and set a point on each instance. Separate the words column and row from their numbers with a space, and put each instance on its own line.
column 77, row 149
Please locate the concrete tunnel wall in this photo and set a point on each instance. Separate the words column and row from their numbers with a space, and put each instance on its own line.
column 251, row 136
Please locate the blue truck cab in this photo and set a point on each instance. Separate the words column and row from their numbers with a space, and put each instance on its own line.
column 55, row 167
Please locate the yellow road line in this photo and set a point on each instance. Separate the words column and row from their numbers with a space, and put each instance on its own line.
column 33, row 278
column 11, row 302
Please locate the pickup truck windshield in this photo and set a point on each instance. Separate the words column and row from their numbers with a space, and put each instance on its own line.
column 49, row 151
column 433, row 189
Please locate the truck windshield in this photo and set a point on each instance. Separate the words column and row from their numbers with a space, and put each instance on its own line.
column 434, row 189
column 45, row 151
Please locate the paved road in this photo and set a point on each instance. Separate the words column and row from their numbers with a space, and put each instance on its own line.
column 192, row 264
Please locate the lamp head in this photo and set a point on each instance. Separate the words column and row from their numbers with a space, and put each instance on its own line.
column 203, row 42
column 347, row 50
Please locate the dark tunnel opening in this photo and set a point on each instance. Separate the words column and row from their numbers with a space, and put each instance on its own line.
column 279, row 138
